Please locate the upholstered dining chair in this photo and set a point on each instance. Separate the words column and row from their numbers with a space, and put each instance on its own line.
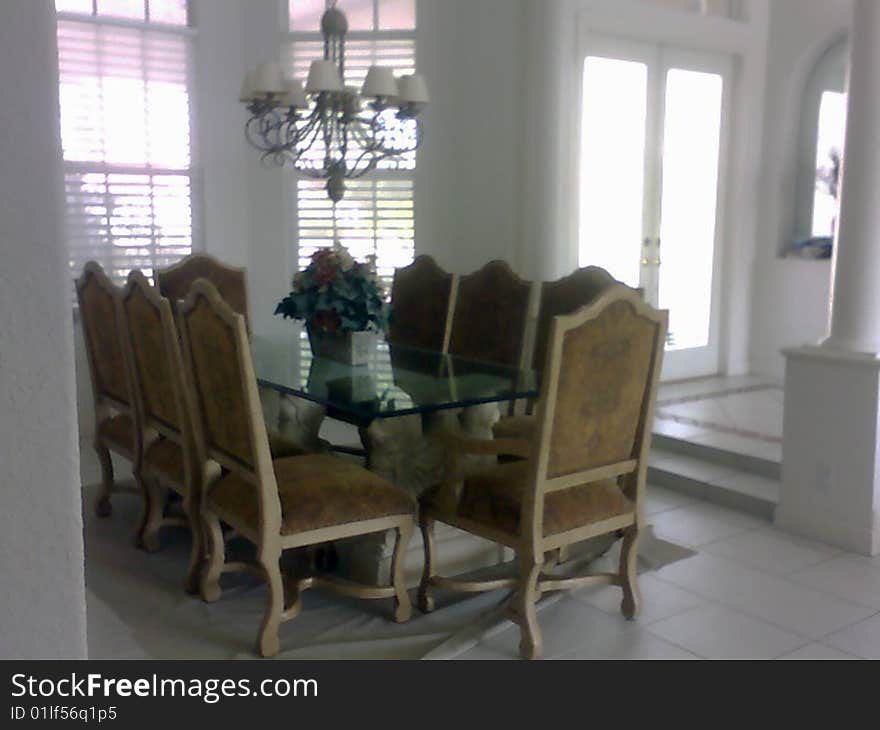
column 490, row 315
column 282, row 413
column 560, row 297
column 168, row 459
column 286, row 503
column 422, row 297
column 115, row 421
column 175, row 281
column 584, row 476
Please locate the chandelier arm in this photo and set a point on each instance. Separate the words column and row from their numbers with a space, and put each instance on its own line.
column 310, row 128
column 262, row 130
column 308, row 143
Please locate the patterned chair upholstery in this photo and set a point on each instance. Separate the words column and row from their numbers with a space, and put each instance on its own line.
column 559, row 297
column 490, row 315
column 582, row 476
column 115, row 423
column 282, row 413
column 175, row 281
column 276, row 504
column 421, row 299
column 168, row 459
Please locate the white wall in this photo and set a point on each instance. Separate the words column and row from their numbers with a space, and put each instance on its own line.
column 790, row 296
column 42, row 602
column 469, row 178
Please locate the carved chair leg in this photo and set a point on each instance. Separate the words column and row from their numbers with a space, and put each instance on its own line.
column 197, row 548
column 154, row 507
column 402, row 605
column 103, row 507
column 212, row 569
column 524, row 611
column 426, row 593
column 268, row 642
column 628, row 577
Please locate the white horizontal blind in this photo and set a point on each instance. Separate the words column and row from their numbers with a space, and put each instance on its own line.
column 376, row 216
column 125, row 93
column 374, row 219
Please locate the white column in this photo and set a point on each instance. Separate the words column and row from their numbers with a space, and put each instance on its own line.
column 855, row 303
column 831, row 445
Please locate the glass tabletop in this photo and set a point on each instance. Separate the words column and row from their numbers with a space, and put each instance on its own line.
column 397, row 381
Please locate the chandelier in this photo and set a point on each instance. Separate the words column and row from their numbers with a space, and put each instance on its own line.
column 327, row 130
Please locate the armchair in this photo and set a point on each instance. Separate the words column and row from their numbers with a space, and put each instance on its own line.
column 582, row 476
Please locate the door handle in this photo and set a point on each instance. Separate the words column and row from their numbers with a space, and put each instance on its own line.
column 646, row 244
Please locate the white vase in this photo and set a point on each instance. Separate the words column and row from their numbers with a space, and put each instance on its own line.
column 351, row 348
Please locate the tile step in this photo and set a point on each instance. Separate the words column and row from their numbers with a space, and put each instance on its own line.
column 721, row 457
column 736, row 489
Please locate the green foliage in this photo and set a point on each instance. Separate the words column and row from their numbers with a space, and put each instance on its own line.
column 335, row 293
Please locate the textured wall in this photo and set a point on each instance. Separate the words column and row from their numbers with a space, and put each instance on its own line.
column 790, row 304
column 42, row 601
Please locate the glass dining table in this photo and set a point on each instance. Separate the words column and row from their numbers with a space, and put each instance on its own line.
column 397, row 381
column 396, row 401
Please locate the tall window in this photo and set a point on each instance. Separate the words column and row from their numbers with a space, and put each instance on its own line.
column 376, row 217
column 829, row 154
column 126, row 72
column 820, row 153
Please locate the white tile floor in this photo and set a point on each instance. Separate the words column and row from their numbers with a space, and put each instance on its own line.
column 738, row 414
column 750, row 592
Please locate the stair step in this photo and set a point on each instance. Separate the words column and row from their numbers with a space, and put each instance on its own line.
column 729, row 487
column 719, row 455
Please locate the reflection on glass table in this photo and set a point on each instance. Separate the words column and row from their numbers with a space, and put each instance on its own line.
column 398, row 380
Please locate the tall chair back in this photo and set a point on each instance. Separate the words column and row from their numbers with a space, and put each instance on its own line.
column 157, row 365
column 491, row 314
column 564, row 296
column 227, row 418
column 597, row 400
column 175, row 281
column 422, row 296
column 101, row 316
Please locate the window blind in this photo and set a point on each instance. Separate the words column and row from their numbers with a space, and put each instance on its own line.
column 376, row 216
column 125, row 96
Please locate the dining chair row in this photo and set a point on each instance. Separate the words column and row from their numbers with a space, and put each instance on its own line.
column 488, row 315
column 177, row 396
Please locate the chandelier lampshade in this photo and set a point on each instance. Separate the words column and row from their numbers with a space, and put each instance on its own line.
column 328, row 130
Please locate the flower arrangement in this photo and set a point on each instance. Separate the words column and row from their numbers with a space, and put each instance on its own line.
column 336, row 294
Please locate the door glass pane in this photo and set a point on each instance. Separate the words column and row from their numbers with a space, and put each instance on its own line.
column 691, row 150
column 613, row 166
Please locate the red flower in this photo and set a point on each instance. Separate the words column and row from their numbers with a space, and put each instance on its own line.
column 326, row 266
column 327, row 320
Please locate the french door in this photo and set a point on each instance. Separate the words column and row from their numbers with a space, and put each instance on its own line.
column 653, row 152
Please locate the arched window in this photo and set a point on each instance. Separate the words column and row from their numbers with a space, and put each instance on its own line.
column 823, row 126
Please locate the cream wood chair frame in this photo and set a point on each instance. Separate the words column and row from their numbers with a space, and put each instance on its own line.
column 534, row 551
column 161, row 429
column 267, row 537
column 107, row 404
